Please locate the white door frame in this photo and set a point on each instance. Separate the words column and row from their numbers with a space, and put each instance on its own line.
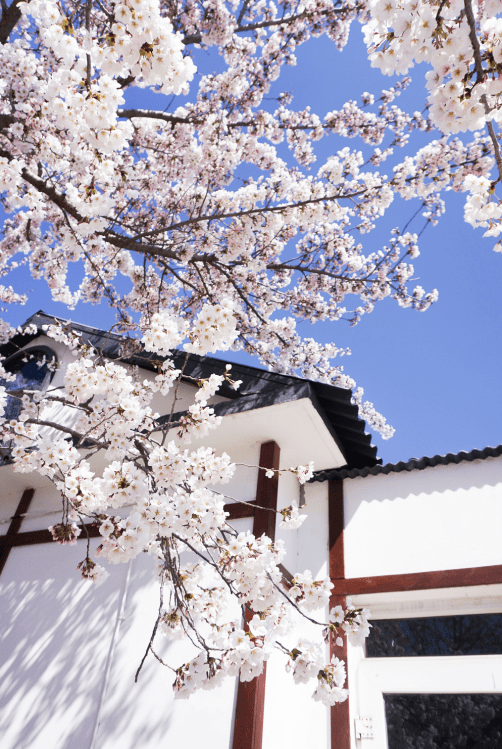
column 371, row 678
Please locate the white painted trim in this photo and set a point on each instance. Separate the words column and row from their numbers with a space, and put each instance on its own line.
column 476, row 599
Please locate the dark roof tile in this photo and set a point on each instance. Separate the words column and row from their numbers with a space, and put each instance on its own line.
column 414, row 464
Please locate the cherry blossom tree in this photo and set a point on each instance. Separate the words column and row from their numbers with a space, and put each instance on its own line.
column 153, row 195
column 189, row 220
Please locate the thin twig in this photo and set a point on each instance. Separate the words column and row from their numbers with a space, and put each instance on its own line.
column 154, row 631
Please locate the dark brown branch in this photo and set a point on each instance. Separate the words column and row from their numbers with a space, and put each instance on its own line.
column 10, row 17
column 58, row 198
column 6, row 120
column 66, row 430
column 198, row 38
column 478, row 65
column 135, row 244
column 250, row 212
column 171, row 119
column 480, row 77
column 242, row 13
column 302, row 269
column 124, row 82
column 154, row 631
column 152, row 114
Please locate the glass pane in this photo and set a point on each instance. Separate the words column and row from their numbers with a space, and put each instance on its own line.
column 32, row 372
column 444, row 721
column 478, row 634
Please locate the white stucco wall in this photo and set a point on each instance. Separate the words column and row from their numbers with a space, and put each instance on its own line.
column 55, row 634
column 291, row 717
column 440, row 518
column 146, row 714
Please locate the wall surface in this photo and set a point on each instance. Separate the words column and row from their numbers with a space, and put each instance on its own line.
column 56, row 631
column 441, row 518
column 292, row 718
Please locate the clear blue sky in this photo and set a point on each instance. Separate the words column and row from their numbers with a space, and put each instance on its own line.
column 434, row 375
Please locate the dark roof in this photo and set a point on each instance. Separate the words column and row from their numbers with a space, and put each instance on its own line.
column 414, row 464
column 259, row 388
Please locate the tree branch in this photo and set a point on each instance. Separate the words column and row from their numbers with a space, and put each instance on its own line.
column 198, row 38
column 153, row 114
column 10, row 17
column 6, row 120
column 250, row 212
column 58, row 198
column 66, row 430
column 154, row 631
column 480, row 77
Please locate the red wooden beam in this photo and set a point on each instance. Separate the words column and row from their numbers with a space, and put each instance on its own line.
column 238, row 510
column 420, row 580
column 42, row 536
column 339, row 714
column 249, row 713
column 6, row 542
column 250, row 707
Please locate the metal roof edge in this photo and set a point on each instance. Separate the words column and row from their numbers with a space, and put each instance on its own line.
column 414, row 464
column 252, row 402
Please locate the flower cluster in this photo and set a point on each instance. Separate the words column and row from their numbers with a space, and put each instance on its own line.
column 310, row 594
column 161, row 333
column 92, row 571
column 83, row 93
column 482, row 207
column 307, row 662
column 304, row 473
column 402, row 32
column 353, row 622
column 65, row 533
column 214, row 328
column 291, row 518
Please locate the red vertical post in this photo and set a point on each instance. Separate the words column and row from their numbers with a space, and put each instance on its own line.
column 266, row 491
column 336, row 523
column 249, row 713
column 339, row 714
column 14, row 526
column 250, row 707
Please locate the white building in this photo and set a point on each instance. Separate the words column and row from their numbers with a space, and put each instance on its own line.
column 417, row 542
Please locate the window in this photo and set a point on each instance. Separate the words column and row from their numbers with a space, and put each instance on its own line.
column 33, row 368
column 444, row 721
column 468, row 634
